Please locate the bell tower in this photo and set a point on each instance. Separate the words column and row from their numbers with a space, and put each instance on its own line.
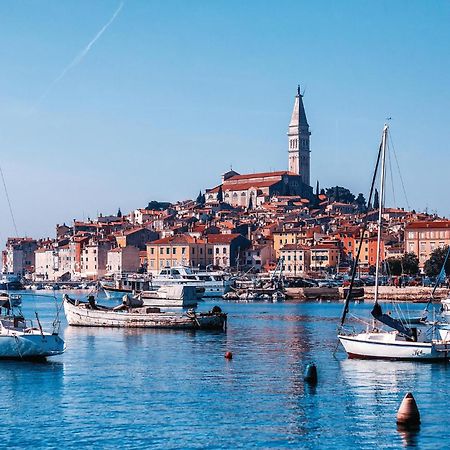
column 298, row 140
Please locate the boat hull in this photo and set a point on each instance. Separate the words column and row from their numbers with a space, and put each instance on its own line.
column 363, row 346
column 81, row 316
column 30, row 346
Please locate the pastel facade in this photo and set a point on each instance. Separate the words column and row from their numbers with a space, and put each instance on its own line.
column 18, row 256
column 422, row 237
column 296, row 259
column 324, row 256
column 177, row 250
column 94, row 257
column 123, row 260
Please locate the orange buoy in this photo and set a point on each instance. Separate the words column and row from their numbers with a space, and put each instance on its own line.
column 408, row 415
column 228, row 355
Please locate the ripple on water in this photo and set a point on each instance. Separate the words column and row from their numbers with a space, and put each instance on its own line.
column 164, row 389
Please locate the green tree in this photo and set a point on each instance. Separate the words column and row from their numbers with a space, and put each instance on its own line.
column 200, row 199
column 434, row 265
column 395, row 266
column 340, row 194
column 360, row 202
column 376, row 200
column 220, row 195
column 410, row 263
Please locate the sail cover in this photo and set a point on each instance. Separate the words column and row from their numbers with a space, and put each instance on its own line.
column 377, row 312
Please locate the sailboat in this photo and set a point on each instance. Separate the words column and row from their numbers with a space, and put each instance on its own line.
column 20, row 338
column 401, row 342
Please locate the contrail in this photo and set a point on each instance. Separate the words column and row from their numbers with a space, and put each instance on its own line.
column 77, row 60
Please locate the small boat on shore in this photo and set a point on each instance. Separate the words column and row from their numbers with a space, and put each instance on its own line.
column 20, row 339
column 133, row 314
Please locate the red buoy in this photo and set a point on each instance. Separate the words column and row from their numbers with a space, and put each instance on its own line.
column 408, row 415
column 228, row 355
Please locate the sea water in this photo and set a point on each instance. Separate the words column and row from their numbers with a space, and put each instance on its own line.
column 163, row 389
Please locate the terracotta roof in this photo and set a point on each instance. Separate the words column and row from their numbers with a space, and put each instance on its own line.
column 325, row 247
column 222, row 238
column 247, row 185
column 260, row 175
column 177, row 239
column 213, row 190
column 295, row 247
column 426, row 224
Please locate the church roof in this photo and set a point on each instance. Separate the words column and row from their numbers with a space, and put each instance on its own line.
column 298, row 117
column 259, row 175
column 248, row 185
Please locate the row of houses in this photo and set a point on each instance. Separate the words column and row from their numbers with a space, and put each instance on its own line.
column 306, row 236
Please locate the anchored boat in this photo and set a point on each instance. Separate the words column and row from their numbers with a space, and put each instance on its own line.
column 19, row 339
column 402, row 342
column 132, row 313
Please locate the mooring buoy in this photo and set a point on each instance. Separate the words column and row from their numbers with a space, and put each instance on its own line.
column 228, row 355
column 311, row 374
column 408, row 415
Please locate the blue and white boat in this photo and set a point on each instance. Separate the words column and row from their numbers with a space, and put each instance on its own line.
column 19, row 338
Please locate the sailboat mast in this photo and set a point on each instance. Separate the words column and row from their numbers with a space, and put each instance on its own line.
column 380, row 209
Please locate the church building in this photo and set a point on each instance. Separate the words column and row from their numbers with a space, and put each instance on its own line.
column 254, row 189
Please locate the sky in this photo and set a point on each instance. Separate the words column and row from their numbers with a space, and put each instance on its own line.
column 171, row 94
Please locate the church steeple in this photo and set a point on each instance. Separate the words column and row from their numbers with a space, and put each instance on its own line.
column 298, row 140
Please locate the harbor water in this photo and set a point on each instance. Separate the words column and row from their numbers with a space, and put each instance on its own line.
column 160, row 389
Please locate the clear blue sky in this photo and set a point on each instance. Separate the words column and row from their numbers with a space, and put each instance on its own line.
column 174, row 92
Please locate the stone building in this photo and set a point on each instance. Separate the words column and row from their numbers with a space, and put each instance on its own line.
column 251, row 190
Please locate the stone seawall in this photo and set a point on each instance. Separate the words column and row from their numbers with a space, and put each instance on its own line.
column 409, row 293
column 405, row 294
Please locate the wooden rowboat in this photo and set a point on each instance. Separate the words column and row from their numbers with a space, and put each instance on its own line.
column 91, row 314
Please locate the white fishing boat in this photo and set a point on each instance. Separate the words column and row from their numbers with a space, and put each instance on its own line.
column 130, row 315
column 402, row 342
column 20, row 339
column 215, row 284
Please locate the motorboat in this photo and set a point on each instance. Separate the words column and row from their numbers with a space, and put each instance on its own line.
column 214, row 283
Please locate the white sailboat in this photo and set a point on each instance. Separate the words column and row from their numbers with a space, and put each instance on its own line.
column 19, row 339
column 401, row 342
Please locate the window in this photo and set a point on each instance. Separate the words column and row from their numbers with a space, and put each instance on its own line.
column 152, row 251
column 168, row 251
column 217, row 250
column 174, row 250
column 161, row 250
column 183, row 250
column 224, row 250
column 210, row 251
